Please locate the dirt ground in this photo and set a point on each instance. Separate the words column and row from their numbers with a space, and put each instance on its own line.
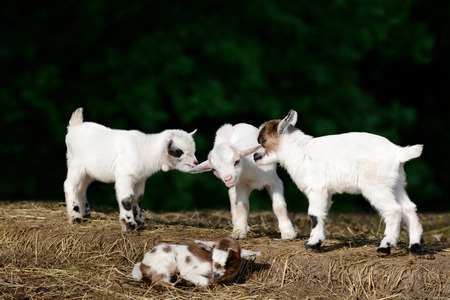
column 43, row 257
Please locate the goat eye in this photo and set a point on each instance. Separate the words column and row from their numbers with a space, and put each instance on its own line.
column 179, row 152
column 237, row 162
column 263, row 142
column 176, row 153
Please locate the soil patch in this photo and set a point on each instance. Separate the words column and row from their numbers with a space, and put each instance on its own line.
column 43, row 257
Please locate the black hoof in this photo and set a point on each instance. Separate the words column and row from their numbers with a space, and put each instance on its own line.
column 77, row 220
column 385, row 251
column 314, row 248
column 415, row 249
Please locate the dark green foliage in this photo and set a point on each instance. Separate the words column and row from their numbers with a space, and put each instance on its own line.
column 376, row 66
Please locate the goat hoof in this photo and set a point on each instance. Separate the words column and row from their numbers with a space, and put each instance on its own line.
column 313, row 248
column 415, row 249
column 77, row 220
column 384, row 250
column 289, row 236
column 131, row 226
column 238, row 236
column 127, row 226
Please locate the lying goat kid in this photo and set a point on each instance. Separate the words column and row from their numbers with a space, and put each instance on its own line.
column 357, row 163
column 128, row 158
column 212, row 262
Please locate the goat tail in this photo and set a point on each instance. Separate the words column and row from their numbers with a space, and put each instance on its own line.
column 77, row 117
column 137, row 272
column 410, row 152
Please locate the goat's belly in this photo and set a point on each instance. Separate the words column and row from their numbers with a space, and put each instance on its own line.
column 101, row 175
column 350, row 189
column 345, row 184
column 104, row 178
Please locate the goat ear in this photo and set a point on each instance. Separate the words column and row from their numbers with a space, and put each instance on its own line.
column 165, row 167
column 290, row 119
column 193, row 132
column 204, row 244
column 169, row 145
column 247, row 254
column 203, row 167
column 249, row 151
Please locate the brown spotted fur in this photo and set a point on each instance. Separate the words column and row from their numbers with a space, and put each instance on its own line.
column 201, row 253
column 268, row 136
column 234, row 261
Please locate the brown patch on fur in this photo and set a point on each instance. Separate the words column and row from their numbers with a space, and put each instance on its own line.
column 146, row 274
column 200, row 253
column 145, row 269
column 232, row 266
column 188, row 259
column 227, row 243
column 123, row 222
column 268, row 136
column 234, row 260
column 158, row 277
column 159, row 282
column 167, row 249
column 153, row 250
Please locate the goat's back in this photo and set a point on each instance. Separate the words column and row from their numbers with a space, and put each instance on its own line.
column 241, row 135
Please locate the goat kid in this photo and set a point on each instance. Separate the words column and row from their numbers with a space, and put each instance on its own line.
column 128, row 158
column 230, row 161
column 179, row 265
column 357, row 163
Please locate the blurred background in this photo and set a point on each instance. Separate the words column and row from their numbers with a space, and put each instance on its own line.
column 375, row 66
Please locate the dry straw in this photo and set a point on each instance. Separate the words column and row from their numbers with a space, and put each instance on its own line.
column 42, row 257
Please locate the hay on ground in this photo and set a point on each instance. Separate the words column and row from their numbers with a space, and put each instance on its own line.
column 43, row 257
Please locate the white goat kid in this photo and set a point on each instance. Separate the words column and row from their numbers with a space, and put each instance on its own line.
column 357, row 163
column 179, row 265
column 230, row 162
column 128, row 158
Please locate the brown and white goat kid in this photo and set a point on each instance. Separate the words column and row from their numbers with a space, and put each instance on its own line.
column 126, row 157
column 357, row 163
column 180, row 265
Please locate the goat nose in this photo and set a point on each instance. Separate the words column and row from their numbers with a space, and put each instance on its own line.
column 228, row 178
column 195, row 162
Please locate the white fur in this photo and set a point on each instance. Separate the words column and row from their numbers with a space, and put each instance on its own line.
column 128, row 158
column 165, row 261
column 231, row 162
column 356, row 163
column 174, row 262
